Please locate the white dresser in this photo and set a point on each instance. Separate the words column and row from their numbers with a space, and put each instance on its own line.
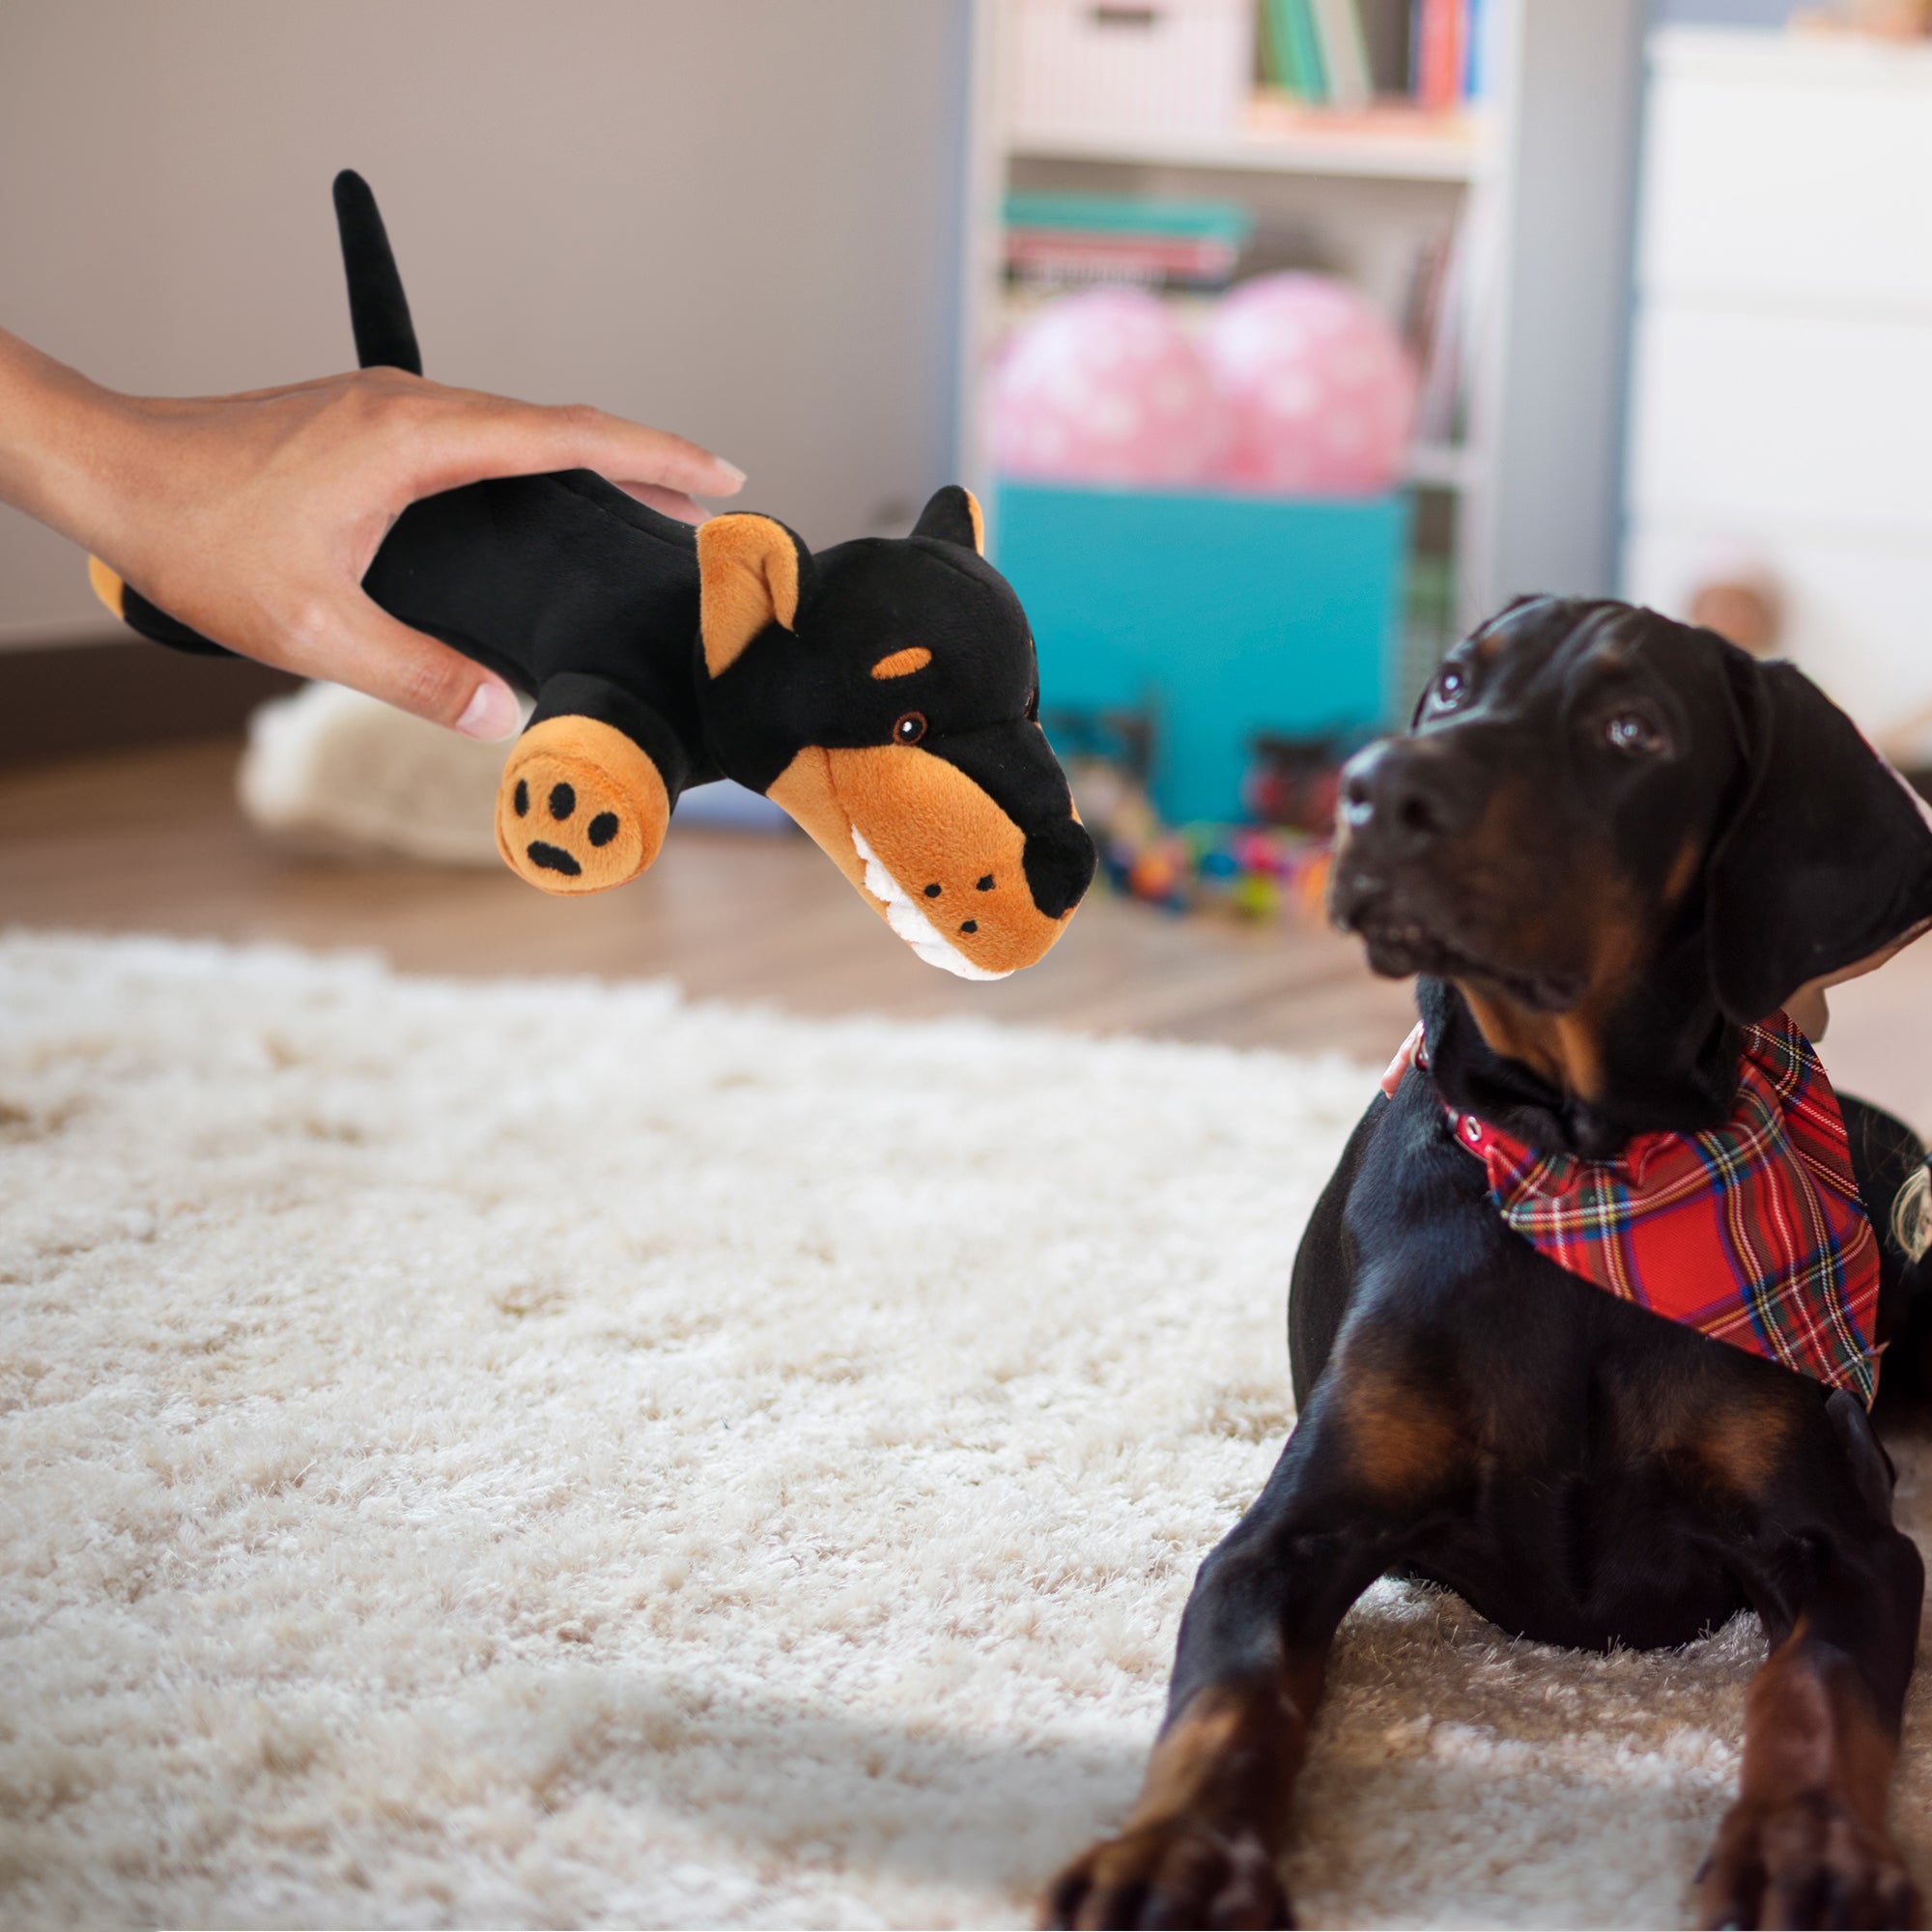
column 1781, row 372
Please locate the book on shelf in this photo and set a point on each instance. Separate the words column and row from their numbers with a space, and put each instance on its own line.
column 1444, row 293
column 1345, row 52
column 1077, row 241
column 1289, row 36
column 1348, row 53
column 1439, row 58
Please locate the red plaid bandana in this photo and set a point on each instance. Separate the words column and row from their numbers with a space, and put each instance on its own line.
column 1753, row 1232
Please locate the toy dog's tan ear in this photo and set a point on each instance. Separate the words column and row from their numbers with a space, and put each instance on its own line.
column 953, row 516
column 753, row 573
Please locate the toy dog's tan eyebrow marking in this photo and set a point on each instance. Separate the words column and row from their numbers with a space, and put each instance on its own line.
column 902, row 663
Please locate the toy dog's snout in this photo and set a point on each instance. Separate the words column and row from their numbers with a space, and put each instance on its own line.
column 973, row 883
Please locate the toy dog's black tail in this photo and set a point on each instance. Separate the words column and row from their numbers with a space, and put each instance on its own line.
column 379, row 311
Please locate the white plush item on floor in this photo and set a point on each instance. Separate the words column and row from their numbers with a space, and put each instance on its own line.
column 328, row 770
column 549, row 1452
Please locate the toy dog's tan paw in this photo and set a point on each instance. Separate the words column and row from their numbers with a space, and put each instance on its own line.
column 580, row 808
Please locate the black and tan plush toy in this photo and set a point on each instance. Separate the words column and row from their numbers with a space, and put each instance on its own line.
column 883, row 692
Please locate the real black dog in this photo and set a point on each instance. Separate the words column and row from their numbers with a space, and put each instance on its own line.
column 1608, row 843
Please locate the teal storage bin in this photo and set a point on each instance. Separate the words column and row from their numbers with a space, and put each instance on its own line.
column 1220, row 615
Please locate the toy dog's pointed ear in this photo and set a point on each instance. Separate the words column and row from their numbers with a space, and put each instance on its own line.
column 953, row 516
column 1827, row 859
column 753, row 573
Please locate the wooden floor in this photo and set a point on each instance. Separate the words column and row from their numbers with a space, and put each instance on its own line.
column 151, row 842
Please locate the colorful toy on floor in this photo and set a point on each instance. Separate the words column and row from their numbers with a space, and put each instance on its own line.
column 1255, row 872
column 883, row 692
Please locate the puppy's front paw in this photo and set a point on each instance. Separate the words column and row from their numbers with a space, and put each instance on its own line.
column 1807, row 1860
column 1170, row 1871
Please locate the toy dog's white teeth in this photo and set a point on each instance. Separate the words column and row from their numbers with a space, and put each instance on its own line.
column 905, row 917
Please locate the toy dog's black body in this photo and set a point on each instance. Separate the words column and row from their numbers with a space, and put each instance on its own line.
column 884, row 691
column 1610, row 841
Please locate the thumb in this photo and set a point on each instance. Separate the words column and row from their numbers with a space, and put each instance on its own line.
column 362, row 646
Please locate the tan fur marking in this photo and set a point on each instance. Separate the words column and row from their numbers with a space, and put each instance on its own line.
column 928, row 824
column 748, row 578
column 1683, row 870
column 1399, row 1445
column 1567, row 1048
column 108, row 586
column 1811, row 1805
column 1234, row 1752
column 902, row 663
column 1743, row 1446
column 979, row 517
column 607, row 773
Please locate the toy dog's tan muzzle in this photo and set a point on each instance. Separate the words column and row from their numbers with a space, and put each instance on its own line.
column 932, row 854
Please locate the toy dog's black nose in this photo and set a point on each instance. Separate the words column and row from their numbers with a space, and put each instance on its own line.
column 1403, row 795
column 1058, row 866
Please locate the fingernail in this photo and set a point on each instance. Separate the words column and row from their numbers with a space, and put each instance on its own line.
column 731, row 469
column 491, row 714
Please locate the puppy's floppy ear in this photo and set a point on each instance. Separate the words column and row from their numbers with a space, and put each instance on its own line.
column 1826, row 859
column 953, row 516
column 753, row 573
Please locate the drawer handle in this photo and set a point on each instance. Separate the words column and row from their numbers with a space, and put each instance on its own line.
column 1142, row 17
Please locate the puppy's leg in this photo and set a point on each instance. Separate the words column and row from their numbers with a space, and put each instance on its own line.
column 1202, row 1844
column 1839, row 1590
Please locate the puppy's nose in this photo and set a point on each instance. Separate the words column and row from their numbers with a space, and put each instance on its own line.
column 1404, row 797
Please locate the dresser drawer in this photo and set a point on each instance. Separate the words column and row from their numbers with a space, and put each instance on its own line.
column 1773, row 420
column 1789, row 169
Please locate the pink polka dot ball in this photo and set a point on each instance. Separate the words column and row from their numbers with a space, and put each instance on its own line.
column 1319, row 391
column 1107, row 386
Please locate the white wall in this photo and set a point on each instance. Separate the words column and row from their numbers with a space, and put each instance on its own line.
column 737, row 218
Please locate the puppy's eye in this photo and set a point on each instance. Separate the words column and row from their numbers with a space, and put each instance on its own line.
column 1633, row 732
column 1452, row 689
column 910, row 729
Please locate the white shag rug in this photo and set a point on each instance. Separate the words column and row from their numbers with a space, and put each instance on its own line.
column 554, row 1454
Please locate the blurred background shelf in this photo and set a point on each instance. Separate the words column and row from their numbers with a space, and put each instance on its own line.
column 1385, row 144
column 1493, row 232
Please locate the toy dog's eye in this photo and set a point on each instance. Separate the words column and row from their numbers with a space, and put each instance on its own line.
column 910, row 729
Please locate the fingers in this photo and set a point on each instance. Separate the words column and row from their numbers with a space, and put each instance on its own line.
column 360, row 645
column 672, row 502
column 495, row 438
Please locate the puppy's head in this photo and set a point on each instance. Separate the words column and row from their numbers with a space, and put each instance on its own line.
column 1585, row 783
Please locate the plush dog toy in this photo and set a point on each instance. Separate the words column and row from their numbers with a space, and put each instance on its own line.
column 884, row 692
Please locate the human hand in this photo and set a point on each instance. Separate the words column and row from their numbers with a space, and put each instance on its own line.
column 253, row 518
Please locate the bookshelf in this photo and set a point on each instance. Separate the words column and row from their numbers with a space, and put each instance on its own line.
column 1394, row 144
column 1538, row 177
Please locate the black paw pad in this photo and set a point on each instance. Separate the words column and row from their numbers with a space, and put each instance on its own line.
column 520, row 799
column 562, row 801
column 932, row 892
column 970, row 926
column 602, row 828
column 554, row 858
column 985, row 885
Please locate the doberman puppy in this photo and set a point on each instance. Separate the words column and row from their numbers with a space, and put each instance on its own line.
column 1608, row 844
